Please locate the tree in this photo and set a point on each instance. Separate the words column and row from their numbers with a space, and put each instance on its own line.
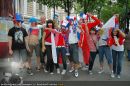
column 65, row 4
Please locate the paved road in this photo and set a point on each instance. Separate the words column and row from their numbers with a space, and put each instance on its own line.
column 83, row 75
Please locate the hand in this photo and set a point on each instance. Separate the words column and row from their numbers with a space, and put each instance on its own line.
column 116, row 15
column 43, row 49
column 10, row 52
column 28, row 49
column 89, row 14
column 79, row 26
column 47, row 28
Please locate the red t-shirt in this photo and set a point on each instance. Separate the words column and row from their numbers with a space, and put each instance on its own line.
column 35, row 32
column 61, row 41
column 48, row 36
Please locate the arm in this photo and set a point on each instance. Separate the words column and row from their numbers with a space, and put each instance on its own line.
column 52, row 30
column 26, row 43
column 93, row 24
column 43, row 42
column 10, row 45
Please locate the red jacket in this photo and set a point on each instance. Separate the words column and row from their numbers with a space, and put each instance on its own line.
column 111, row 41
column 90, row 26
column 85, row 37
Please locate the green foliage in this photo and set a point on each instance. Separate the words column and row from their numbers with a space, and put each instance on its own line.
column 51, row 3
column 103, row 8
column 108, row 11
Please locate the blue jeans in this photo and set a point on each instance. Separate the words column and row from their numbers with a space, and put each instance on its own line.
column 61, row 50
column 117, row 61
column 105, row 50
column 128, row 51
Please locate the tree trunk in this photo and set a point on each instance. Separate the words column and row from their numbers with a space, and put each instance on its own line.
column 68, row 11
column 54, row 9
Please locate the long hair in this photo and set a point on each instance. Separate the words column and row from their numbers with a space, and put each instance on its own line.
column 112, row 33
column 50, row 21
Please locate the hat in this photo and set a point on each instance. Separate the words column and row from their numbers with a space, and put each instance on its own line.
column 33, row 19
column 81, row 14
column 18, row 17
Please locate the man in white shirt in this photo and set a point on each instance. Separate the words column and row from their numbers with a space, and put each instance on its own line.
column 73, row 48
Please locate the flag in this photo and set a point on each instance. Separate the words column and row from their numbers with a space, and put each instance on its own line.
column 113, row 22
column 65, row 23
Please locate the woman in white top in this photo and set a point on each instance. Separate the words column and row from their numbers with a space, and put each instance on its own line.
column 117, row 50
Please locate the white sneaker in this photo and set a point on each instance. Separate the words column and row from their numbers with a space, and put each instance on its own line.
column 71, row 70
column 51, row 73
column 90, row 72
column 58, row 71
column 112, row 75
column 63, row 72
column 76, row 73
column 101, row 71
column 85, row 68
column 45, row 71
column 118, row 76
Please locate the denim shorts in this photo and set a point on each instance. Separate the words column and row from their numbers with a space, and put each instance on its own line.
column 74, row 56
column 36, row 48
column 19, row 55
column 105, row 50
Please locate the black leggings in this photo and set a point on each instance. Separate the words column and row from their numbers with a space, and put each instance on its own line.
column 92, row 59
column 50, row 63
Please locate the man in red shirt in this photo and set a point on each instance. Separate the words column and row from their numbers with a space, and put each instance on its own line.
column 85, row 37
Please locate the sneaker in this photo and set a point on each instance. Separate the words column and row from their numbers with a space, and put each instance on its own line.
column 118, row 76
column 71, row 70
column 101, row 71
column 76, row 73
column 90, row 72
column 51, row 73
column 29, row 71
column 42, row 66
column 58, row 71
column 112, row 75
column 45, row 71
column 38, row 69
column 85, row 68
column 63, row 72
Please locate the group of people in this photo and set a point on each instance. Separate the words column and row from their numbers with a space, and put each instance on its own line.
column 71, row 40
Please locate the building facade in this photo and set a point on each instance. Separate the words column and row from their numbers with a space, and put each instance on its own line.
column 30, row 8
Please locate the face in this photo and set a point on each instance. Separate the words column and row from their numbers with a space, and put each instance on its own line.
column 85, row 21
column 18, row 23
column 72, row 22
column 80, row 21
column 33, row 24
column 50, row 25
column 43, row 20
column 115, row 32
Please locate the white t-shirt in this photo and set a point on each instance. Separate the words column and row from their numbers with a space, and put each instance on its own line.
column 103, row 39
column 73, row 36
column 40, row 27
column 118, row 48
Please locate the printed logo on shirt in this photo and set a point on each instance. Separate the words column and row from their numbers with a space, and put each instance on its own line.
column 19, row 37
